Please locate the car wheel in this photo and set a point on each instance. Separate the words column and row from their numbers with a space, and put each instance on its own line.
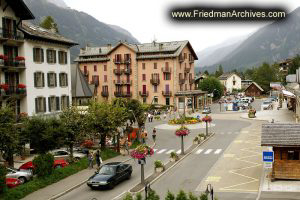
column 111, row 185
column 22, row 179
column 129, row 176
column 58, row 166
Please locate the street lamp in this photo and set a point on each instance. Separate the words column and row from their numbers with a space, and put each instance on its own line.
column 210, row 191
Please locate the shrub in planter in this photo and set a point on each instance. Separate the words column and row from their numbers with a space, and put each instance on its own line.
column 182, row 195
column 128, row 196
column 196, row 140
column 2, row 178
column 201, row 136
column 157, row 117
column 158, row 166
column 43, row 164
column 174, row 157
column 203, row 196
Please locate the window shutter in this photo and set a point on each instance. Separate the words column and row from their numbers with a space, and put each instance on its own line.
column 170, row 76
column 67, row 83
column 48, row 79
column 35, row 84
column 66, row 57
column 44, row 99
column 15, row 27
column 49, row 104
column 34, row 54
column 43, row 79
column 47, row 54
column 55, row 79
column 42, row 55
column 54, row 56
column 4, row 25
column 36, row 105
column 60, row 75
column 68, row 101
column 57, row 104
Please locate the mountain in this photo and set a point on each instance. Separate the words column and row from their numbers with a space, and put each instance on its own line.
column 78, row 26
column 274, row 42
column 216, row 53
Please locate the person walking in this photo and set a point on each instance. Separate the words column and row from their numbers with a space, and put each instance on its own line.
column 149, row 117
column 98, row 159
column 154, row 135
column 90, row 159
column 126, row 145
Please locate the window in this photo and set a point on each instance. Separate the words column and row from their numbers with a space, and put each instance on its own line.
column 62, row 57
column 63, row 79
column 181, row 87
column 185, row 86
column 51, row 77
column 51, row 56
column 155, row 65
column 38, row 55
column 167, row 76
column 95, row 68
column 293, row 155
column 39, row 80
column 53, row 104
column 155, row 88
column 144, row 66
column 144, row 100
column 233, row 82
column 105, row 68
column 40, row 104
column 144, row 77
column 156, row 100
column 95, row 80
column 184, row 56
column 105, row 88
column 105, row 78
column 64, row 102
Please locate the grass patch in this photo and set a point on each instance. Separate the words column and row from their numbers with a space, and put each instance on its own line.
column 57, row 175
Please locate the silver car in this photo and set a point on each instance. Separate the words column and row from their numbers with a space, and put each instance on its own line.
column 22, row 175
column 63, row 154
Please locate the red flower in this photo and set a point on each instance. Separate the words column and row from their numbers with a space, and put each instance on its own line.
column 207, row 119
column 20, row 58
column 88, row 143
column 3, row 57
column 21, row 86
column 182, row 131
column 4, row 86
column 141, row 152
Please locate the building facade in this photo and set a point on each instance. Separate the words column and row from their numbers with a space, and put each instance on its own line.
column 253, row 90
column 150, row 72
column 231, row 81
column 35, row 76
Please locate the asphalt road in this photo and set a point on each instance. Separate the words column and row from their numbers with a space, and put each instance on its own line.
column 225, row 131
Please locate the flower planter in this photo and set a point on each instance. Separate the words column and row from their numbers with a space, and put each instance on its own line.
column 251, row 115
column 173, row 159
column 159, row 169
column 196, row 142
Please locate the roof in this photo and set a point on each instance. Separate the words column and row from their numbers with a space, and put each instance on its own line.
column 144, row 51
column 20, row 9
column 225, row 76
column 280, row 134
column 254, row 83
column 36, row 32
column 189, row 92
column 80, row 87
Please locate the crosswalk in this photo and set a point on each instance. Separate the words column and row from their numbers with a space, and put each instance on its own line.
column 228, row 133
column 197, row 152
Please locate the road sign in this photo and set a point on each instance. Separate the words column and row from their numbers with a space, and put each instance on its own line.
column 268, row 156
column 268, row 165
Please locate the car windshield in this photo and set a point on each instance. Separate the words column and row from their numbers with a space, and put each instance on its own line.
column 106, row 170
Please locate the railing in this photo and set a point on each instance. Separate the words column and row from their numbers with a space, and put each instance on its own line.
column 117, row 61
column 85, row 73
column 4, row 33
column 155, row 81
column 191, row 80
column 127, row 61
column 167, row 93
column 127, row 71
column 166, row 69
column 118, row 71
column 13, row 90
column 187, row 69
column 127, row 94
column 12, row 63
column 104, row 93
column 118, row 82
column 128, row 82
column 118, row 94
column 144, row 93
column 96, row 83
column 181, row 81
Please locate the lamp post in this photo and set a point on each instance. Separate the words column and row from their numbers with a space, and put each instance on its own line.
column 210, row 190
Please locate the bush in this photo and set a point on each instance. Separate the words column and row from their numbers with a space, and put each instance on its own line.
column 135, row 144
column 158, row 164
column 152, row 195
column 3, row 172
column 192, row 196
column 138, row 196
column 181, row 195
column 203, row 196
column 128, row 196
column 43, row 164
column 88, row 144
column 170, row 196
column 174, row 155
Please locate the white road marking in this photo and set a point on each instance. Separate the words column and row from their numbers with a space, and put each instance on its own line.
column 154, row 150
column 222, row 133
column 170, row 151
column 229, row 133
column 161, row 151
column 199, row 151
column 218, row 151
column 178, row 152
column 208, row 151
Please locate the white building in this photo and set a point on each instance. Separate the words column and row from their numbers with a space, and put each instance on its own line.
column 231, row 81
column 35, row 76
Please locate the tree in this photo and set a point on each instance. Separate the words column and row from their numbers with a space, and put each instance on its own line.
column 206, row 73
column 219, row 72
column 181, row 195
column 170, row 196
column 294, row 65
column 49, row 23
column 212, row 85
column 3, row 173
column 73, row 126
column 9, row 135
column 265, row 74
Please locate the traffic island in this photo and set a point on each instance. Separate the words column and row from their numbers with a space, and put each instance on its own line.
column 168, row 166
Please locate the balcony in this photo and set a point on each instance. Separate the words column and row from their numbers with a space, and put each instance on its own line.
column 166, row 69
column 118, row 71
column 104, row 93
column 85, row 73
column 12, row 63
column 191, row 80
column 11, row 37
column 181, row 59
column 118, row 82
column 191, row 60
column 118, row 61
column 155, row 81
column 96, row 83
column 118, row 94
column 187, row 69
column 128, row 82
column 167, row 93
column 127, row 61
column 181, row 81
column 15, row 91
column 127, row 94
column 127, row 71
column 144, row 93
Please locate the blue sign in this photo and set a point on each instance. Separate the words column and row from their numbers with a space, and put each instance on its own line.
column 268, row 156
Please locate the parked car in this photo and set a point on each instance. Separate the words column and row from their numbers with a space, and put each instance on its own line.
column 22, row 175
column 266, row 105
column 206, row 110
column 109, row 175
column 57, row 164
column 64, row 154
column 12, row 182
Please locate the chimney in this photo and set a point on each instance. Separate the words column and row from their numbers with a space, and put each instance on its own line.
column 160, row 46
column 154, row 42
column 109, row 46
column 100, row 50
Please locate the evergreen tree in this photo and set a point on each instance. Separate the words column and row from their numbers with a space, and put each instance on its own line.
column 49, row 23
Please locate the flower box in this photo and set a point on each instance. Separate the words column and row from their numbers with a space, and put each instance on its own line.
column 19, row 58
column 21, row 86
column 182, row 131
column 207, row 119
column 159, row 169
column 4, row 87
column 158, row 166
column 141, row 152
column 174, row 157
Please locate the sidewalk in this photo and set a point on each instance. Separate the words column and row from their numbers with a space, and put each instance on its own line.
column 69, row 182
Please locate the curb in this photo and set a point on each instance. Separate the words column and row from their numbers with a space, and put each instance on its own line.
column 176, row 163
column 262, row 180
column 76, row 186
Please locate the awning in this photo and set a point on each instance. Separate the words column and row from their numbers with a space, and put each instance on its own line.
column 288, row 94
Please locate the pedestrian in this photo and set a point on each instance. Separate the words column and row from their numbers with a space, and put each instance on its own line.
column 98, row 159
column 149, row 117
column 165, row 116
column 90, row 159
column 154, row 135
column 126, row 145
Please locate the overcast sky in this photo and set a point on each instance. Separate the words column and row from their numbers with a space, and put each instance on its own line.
column 147, row 19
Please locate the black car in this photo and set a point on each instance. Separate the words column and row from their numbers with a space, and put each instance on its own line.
column 110, row 175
